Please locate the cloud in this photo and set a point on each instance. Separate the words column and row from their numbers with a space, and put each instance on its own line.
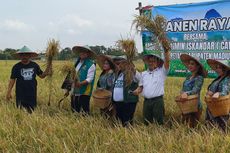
column 72, row 31
column 15, row 25
column 75, row 20
column 70, row 24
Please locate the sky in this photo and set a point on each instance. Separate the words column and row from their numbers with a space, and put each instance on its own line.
column 72, row 22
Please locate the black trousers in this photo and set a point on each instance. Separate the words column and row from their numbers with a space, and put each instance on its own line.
column 125, row 112
column 28, row 103
column 79, row 103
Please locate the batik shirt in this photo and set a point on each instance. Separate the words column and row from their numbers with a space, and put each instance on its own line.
column 106, row 81
column 193, row 86
column 223, row 87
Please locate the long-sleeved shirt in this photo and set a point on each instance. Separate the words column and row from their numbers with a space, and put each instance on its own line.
column 223, row 86
column 193, row 86
column 90, row 74
column 106, row 81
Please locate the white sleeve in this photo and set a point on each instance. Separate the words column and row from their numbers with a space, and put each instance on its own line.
column 90, row 74
column 165, row 71
column 141, row 79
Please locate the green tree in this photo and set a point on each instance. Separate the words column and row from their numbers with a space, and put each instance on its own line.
column 10, row 53
column 65, row 54
column 98, row 49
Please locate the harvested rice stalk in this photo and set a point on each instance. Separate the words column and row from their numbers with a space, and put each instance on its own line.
column 129, row 48
column 129, row 71
column 156, row 26
column 51, row 51
column 68, row 68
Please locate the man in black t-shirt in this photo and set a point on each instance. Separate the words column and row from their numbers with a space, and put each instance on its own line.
column 24, row 74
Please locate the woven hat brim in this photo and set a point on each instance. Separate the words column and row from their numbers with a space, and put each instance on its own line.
column 78, row 49
column 101, row 60
column 185, row 58
column 145, row 58
column 33, row 54
column 212, row 63
column 118, row 59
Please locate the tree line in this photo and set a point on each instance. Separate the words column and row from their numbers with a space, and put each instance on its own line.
column 65, row 53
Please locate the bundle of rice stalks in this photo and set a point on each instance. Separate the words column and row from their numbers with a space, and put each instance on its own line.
column 51, row 51
column 128, row 68
column 156, row 26
column 129, row 48
column 68, row 68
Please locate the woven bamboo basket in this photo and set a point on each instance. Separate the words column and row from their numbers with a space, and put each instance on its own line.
column 188, row 105
column 101, row 98
column 219, row 106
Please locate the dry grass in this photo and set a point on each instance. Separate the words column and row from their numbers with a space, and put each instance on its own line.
column 50, row 129
column 129, row 48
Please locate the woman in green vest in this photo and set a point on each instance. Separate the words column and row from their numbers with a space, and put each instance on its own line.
column 219, row 87
column 84, row 81
column 125, row 83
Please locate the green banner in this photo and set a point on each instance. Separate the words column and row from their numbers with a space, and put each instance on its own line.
column 200, row 29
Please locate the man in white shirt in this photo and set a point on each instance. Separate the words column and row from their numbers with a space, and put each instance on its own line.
column 85, row 76
column 152, row 87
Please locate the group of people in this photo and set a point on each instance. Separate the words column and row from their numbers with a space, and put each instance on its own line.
column 125, row 83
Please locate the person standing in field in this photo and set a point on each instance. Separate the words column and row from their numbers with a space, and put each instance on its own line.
column 106, row 80
column 192, row 86
column 107, row 76
column 219, row 87
column 152, row 86
column 84, row 80
column 126, row 82
column 24, row 74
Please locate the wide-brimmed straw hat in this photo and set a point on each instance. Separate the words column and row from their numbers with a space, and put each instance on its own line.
column 101, row 60
column 26, row 50
column 119, row 58
column 185, row 58
column 223, row 63
column 155, row 54
column 78, row 49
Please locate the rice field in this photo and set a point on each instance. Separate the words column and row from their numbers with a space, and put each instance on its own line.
column 53, row 129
